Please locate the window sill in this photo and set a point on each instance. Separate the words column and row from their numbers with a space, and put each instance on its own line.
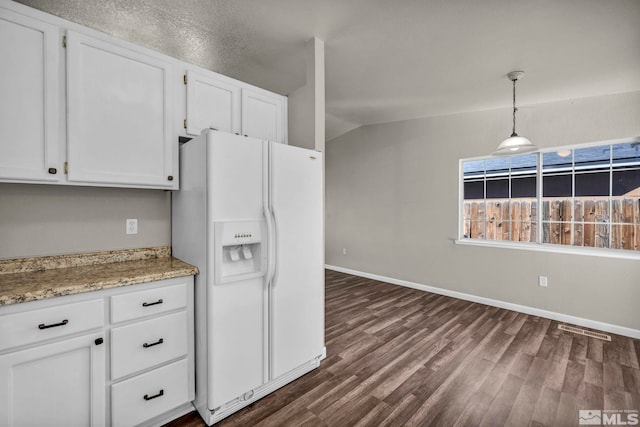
column 605, row 253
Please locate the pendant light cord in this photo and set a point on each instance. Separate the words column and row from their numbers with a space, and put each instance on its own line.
column 514, row 109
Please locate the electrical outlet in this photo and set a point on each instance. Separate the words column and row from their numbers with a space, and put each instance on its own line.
column 344, row 251
column 542, row 281
column 132, row 226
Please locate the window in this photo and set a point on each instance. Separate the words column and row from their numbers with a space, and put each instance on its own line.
column 586, row 196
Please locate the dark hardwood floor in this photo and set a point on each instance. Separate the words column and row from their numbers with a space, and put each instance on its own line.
column 398, row 356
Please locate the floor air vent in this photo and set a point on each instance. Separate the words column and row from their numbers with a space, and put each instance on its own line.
column 585, row 332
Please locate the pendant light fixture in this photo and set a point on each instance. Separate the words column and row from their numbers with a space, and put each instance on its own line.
column 514, row 144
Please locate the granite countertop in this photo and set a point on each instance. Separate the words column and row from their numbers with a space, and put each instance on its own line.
column 30, row 279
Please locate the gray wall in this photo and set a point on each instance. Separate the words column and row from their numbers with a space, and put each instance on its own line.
column 306, row 104
column 392, row 202
column 51, row 219
column 300, row 120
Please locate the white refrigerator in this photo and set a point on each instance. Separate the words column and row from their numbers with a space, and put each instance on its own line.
column 249, row 215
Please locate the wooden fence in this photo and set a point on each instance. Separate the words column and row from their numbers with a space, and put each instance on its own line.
column 516, row 220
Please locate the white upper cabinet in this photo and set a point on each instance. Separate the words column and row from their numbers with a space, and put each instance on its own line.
column 263, row 115
column 119, row 115
column 215, row 101
column 104, row 112
column 29, row 141
column 211, row 103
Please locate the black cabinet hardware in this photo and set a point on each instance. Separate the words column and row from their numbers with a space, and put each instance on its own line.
column 99, row 341
column 147, row 345
column 147, row 397
column 53, row 171
column 43, row 326
column 148, row 304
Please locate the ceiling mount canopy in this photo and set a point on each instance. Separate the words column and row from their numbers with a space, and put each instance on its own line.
column 514, row 144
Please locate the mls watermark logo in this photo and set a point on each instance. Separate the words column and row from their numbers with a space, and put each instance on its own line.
column 608, row 417
column 590, row 417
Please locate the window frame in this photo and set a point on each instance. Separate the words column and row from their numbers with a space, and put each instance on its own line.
column 539, row 245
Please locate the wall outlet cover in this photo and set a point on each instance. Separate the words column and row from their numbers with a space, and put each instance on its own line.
column 132, row 226
column 543, row 281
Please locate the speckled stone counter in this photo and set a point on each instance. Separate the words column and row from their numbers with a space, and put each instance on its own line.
column 30, row 279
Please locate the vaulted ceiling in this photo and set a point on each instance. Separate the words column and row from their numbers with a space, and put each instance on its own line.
column 390, row 60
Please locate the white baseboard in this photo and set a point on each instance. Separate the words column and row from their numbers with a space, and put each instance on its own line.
column 587, row 323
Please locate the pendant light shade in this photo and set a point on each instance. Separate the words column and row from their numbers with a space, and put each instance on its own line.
column 515, row 144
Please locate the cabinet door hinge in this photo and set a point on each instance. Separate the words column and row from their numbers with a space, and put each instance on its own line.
column 185, row 123
column 66, row 168
column 184, row 79
column 64, row 42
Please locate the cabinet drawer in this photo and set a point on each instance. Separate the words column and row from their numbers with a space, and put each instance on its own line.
column 148, row 395
column 42, row 324
column 145, row 344
column 134, row 305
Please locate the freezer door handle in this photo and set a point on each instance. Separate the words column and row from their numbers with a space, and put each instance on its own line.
column 271, row 253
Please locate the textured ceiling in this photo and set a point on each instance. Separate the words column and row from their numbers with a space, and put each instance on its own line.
column 391, row 59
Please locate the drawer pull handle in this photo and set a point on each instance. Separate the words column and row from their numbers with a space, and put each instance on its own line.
column 43, row 326
column 148, row 304
column 147, row 397
column 147, row 345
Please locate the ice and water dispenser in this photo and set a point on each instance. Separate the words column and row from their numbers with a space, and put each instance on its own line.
column 240, row 252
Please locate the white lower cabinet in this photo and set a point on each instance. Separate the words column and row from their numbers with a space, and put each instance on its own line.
column 148, row 395
column 120, row 357
column 146, row 344
column 151, row 352
column 58, row 384
column 32, row 327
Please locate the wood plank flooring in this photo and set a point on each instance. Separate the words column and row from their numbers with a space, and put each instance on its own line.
column 399, row 356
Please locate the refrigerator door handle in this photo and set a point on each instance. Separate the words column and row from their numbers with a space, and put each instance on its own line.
column 274, row 248
column 266, row 203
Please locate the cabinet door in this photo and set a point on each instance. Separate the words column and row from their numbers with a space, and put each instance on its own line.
column 29, row 87
column 119, row 115
column 262, row 116
column 211, row 103
column 59, row 384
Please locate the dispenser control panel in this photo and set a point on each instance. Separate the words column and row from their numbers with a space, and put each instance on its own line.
column 243, row 235
column 235, row 232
